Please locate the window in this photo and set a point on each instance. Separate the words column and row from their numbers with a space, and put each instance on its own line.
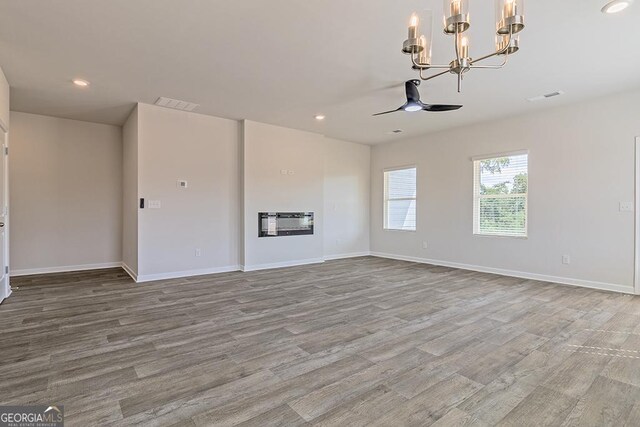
column 500, row 195
column 400, row 199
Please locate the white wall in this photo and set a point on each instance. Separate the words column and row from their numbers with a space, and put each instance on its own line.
column 268, row 150
column 203, row 150
column 130, row 194
column 66, row 194
column 326, row 176
column 234, row 172
column 77, row 187
column 581, row 165
column 347, row 171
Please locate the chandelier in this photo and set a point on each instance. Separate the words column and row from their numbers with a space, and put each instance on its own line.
column 509, row 22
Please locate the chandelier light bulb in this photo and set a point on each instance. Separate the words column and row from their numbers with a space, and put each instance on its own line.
column 509, row 9
column 413, row 27
column 456, row 16
column 425, row 53
column 509, row 16
column 455, row 7
column 507, row 45
column 464, row 47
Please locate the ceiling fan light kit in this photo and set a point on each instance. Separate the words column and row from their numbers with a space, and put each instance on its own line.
column 509, row 21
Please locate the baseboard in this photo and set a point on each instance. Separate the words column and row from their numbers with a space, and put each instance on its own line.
column 130, row 271
column 180, row 274
column 187, row 273
column 520, row 274
column 295, row 263
column 5, row 297
column 63, row 269
column 345, row 256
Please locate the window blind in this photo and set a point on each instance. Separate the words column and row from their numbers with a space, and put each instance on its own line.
column 500, row 195
column 400, row 199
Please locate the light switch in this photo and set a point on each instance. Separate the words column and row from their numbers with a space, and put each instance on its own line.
column 626, row 206
column 283, row 171
column 154, row 204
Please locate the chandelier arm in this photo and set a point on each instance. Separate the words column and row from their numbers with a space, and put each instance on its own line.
column 503, row 51
column 504, row 62
column 482, row 58
column 433, row 76
column 426, row 67
column 487, row 67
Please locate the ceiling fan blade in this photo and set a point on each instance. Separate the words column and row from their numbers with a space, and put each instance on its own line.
column 411, row 90
column 440, row 107
column 388, row 112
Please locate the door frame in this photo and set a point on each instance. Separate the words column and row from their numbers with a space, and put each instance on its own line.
column 4, row 204
column 636, row 272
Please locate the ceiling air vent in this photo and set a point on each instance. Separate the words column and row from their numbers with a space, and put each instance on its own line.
column 395, row 131
column 176, row 104
column 545, row 96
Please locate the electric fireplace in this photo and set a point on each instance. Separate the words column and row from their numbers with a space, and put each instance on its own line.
column 275, row 224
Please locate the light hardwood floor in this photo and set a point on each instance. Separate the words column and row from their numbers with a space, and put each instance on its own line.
column 356, row 342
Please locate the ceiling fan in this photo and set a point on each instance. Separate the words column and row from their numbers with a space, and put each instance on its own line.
column 414, row 104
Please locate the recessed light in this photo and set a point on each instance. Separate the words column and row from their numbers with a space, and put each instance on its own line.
column 616, row 6
column 80, row 82
column 320, row 117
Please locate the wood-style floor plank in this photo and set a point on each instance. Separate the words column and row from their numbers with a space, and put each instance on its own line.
column 357, row 342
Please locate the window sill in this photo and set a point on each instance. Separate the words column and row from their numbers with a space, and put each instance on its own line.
column 401, row 231
column 502, row 236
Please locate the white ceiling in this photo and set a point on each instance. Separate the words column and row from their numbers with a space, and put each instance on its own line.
column 284, row 61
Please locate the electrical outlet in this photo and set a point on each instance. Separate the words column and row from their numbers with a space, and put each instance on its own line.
column 566, row 259
column 155, row 204
column 626, row 206
column 424, row 245
column 198, row 252
column 283, row 171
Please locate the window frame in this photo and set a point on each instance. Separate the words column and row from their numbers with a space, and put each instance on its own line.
column 477, row 196
column 385, row 199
